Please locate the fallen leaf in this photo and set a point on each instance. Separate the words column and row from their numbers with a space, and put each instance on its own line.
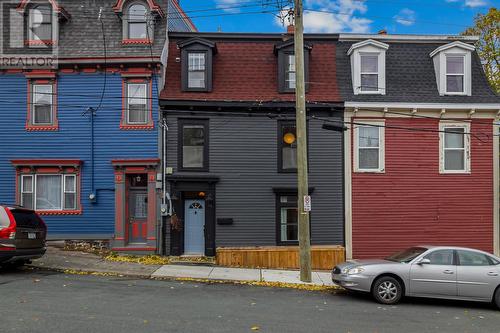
column 36, row 280
column 255, row 328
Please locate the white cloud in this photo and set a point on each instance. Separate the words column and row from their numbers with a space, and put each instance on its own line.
column 471, row 3
column 230, row 6
column 405, row 16
column 476, row 3
column 328, row 16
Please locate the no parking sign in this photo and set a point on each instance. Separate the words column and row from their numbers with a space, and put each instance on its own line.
column 307, row 203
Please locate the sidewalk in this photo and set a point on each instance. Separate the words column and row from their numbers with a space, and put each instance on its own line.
column 57, row 259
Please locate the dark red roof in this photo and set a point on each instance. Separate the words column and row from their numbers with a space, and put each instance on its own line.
column 248, row 71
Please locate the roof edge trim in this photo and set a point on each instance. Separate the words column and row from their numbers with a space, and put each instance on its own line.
column 372, row 42
column 450, row 45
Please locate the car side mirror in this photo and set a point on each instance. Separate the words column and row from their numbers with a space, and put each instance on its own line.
column 424, row 261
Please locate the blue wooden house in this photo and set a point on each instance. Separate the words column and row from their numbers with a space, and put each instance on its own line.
column 79, row 135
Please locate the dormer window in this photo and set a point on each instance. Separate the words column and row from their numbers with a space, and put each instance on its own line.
column 196, row 62
column 137, row 22
column 455, row 74
column 286, row 66
column 369, row 71
column 40, row 23
column 452, row 66
column 368, row 67
column 197, row 70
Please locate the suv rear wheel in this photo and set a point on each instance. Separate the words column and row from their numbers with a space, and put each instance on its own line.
column 387, row 290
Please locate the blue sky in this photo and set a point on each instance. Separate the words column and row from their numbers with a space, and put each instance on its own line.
column 396, row 16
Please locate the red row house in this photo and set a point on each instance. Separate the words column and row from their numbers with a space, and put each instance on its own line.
column 421, row 149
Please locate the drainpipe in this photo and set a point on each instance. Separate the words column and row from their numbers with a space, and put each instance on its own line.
column 92, row 195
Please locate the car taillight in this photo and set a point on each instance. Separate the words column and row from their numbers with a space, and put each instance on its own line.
column 10, row 231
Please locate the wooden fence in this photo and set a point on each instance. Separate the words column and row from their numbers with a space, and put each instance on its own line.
column 281, row 257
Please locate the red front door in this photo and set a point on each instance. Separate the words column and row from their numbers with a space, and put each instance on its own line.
column 137, row 209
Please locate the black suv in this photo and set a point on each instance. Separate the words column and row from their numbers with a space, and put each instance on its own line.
column 22, row 235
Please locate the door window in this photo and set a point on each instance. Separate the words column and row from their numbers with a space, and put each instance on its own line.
column 440, row 257
column 470, row 258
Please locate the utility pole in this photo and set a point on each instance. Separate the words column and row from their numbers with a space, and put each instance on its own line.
column 303, row 188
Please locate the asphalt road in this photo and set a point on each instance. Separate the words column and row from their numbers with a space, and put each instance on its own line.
column 37, row 301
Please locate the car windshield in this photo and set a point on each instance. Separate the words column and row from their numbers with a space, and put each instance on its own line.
column 407, row 255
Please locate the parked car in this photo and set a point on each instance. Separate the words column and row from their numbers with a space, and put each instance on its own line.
column 22, row 235
column 425, row 271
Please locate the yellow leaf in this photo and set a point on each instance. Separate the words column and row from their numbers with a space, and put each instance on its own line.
column 255, row 328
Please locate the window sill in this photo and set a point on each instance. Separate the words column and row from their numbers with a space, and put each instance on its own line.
column 141, row 41
column 59, row 212
column 369, row 171
column 39, row 42
column 42, row 128
column 130, row 127
column 458, row 172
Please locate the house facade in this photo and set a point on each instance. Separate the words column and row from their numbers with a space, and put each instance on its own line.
column 229, row 105
column 421, row 149
column 79, row 135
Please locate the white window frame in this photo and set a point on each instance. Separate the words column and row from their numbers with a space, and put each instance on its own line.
column 381, row 156
column 374, row 91
column 289, row 70
column 146, row 121
column 199, row 55
column 33, row 37
column 464, row 82
column 33, row 101
column 29, row 192
column 439, row 55
column 63, row 190
column 371, row 47
column 467, row 155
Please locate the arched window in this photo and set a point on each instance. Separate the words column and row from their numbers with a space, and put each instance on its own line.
column 137, row 18
column 40, row 23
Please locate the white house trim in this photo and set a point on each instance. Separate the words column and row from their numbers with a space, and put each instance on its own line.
column 467, row 151
column 496, row 189
column 366, row 43
column 348, row 187
column 438, row 106
column 451, row 45
column 379, row 124
column 405, row 38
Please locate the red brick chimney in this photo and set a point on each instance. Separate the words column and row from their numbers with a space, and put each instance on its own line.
column 290, row 29
column 382, row 32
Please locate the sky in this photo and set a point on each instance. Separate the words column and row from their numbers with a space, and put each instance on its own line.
column 334, row 16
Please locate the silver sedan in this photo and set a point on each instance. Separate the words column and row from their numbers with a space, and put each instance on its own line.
column 425, row 271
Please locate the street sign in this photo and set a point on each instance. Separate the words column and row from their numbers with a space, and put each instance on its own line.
column 307, row 203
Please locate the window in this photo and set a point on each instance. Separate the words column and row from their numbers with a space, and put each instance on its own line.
column 197, row 55
column 470, row 258
column 137, row 112
column 290, row 72
column 440, row 257
column 287, row 147
column 42, row 113
column 40, row 24
column 454, row 152
column 42, row 104
column 138, row 104
column 369, row 147
column 197, row 70
column 455, row 74
column 286, row 65
column 137, row 22
column 368, row 67
column 288, row 219
column 369, row 72
column 452, row 65
column 49, row 192
column 193, row 148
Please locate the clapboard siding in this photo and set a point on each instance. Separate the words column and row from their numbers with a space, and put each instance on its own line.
column 411, row 203
column 76, row 92
column 243, row 154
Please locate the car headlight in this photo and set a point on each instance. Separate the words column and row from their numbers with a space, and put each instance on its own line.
column 353, row 271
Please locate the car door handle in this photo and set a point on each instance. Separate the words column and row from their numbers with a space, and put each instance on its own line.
column 492, row 273
column 448, row 271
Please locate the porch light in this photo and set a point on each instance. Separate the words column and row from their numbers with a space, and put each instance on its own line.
column 289, row 138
